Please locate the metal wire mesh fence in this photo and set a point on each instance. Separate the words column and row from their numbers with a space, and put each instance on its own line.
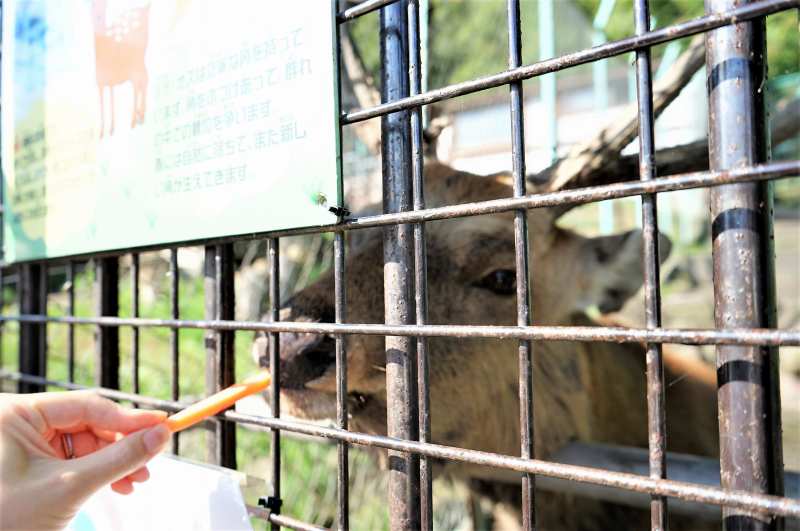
column 745, row 335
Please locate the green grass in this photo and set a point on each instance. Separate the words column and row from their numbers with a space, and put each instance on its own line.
column 308, row 467
column 309, row 484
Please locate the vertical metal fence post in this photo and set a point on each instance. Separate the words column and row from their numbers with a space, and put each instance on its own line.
column 343, row 468
column 107, row 337
column 220, row 368
column 340, row 316
column 174, row 283
column 32, row 358
column 135, row 329
column 522, row 266
column 226, row 367
column 401, row 395
column 420, row 264
column 43, row 272
column 210, row 341
column 71, row 327
column 749, row 412
column 275, row 368
column 340, row 312
column 656, row 413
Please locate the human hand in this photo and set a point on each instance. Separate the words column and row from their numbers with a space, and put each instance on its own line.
column 40, row 486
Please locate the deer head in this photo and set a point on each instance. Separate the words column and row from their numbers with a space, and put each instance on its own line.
column 471, row 280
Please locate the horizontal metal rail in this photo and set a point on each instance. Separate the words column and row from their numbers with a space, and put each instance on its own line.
column 293, row 523
column 368, row 6
column 688, row 468
column 733, row 336
column 282, row 520
column 670, row 183
column 662, row 487
column 603, row 51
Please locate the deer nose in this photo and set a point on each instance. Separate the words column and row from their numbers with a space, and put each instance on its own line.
column 303, row 356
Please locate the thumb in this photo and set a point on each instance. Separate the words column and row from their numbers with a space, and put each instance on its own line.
column 119, row 459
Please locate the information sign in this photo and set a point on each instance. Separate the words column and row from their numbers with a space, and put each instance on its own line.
column 136, row 122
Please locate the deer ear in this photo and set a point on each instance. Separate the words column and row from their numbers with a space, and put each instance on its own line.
column 618, row 268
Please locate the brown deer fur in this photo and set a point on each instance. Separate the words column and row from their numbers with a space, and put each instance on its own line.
column 583, row 391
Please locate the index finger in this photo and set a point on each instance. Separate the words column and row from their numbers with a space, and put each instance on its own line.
column 73, row 410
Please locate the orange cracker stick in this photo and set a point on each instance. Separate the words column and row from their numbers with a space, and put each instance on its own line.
column 217, row 402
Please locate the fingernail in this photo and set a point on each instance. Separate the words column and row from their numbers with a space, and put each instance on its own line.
column 156, row 438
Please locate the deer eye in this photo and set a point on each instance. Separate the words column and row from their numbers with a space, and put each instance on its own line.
column 499, row 281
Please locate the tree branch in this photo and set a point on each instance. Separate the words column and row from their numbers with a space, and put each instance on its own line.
column 686, row 158
column 584, row 160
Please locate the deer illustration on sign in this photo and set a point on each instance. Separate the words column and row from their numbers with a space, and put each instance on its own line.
column 120, row 45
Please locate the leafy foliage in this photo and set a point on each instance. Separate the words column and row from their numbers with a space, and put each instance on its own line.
column 782, row 28
column 468, row 38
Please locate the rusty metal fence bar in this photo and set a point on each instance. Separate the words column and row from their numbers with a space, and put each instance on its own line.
column 41, row 295
column 274, row 503
column 668, row 183
column 31, row 336
column 521, row 265
column 604, row 51
column 174, row 283
column 107, row 337
column 28, row 339
column 220, row 370
column 134, row 314
column 224, row 269
column 420, row 266
column 656, row 409
column 760, row 503
column 683, row 336
column 362, row 8
column 398, row 276
column 340, row 316
column 71, row 328
column 280, row 520
column 340, row 340
column 211, row 342
column 742, row 258
column 739, row 180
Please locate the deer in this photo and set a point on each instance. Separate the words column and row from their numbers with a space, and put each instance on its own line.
column 583, row 391
column 592, row 392
column 120, row 46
